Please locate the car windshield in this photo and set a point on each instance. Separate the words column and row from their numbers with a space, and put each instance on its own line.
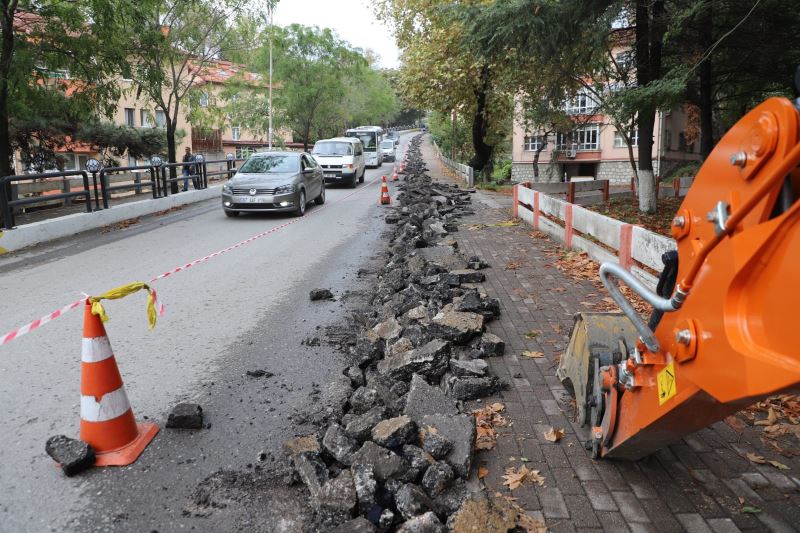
column 333, row 148
column 271, row 164
column 387, row 144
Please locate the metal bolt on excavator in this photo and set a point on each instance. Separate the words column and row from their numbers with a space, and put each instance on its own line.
column 723, row 332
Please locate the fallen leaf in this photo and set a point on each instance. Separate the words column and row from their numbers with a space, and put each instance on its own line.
column 515, row 477
column 483, row 472
column 536, row 477
column 532, row 334
column 750, row 510
column 779, row 466
column 554, row 435
column 772, row 417
column 506, row 223
column 524, row 459
column 497, row 407
column 758, row 459
column 533, row 355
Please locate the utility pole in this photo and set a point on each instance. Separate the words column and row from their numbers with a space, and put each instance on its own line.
column 271, row 8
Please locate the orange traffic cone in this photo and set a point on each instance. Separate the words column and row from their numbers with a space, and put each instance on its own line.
column 385, row 198
column 394, row 175
column 107, row 422
column 403, row 166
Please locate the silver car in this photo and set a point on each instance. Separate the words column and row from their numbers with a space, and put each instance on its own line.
column 274, row 181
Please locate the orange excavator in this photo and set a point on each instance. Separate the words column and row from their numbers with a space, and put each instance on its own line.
column 725, row 331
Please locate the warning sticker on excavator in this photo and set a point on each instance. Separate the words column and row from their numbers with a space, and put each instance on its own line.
column 666, row 384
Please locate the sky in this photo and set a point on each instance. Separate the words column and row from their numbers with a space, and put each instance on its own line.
column 352, row 20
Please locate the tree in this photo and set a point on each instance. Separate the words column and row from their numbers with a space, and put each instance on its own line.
column 442, row 70
column 176, row 42
column 312, row 65
column 58, row 64
column 112, row 140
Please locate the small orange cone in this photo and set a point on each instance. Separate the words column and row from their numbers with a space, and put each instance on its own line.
column 403, row 166
column 385, row 198
column 394, row 175
column 107, row 422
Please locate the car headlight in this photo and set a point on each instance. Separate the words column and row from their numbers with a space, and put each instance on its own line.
column 285, row 189
column 227, row 189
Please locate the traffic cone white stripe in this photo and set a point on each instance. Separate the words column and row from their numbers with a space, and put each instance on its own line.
column 109, row 407
column 94, row 350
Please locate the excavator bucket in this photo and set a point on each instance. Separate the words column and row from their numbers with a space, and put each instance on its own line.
column 597, row 339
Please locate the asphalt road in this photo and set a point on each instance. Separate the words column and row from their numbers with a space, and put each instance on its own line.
column 247, row 309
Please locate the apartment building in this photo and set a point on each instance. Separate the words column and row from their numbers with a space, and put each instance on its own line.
column 215, row 143
column 596, row 148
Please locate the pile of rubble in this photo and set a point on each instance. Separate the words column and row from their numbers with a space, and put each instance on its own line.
column 395, row 451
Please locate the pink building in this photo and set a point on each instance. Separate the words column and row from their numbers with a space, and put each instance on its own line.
column 597, row 150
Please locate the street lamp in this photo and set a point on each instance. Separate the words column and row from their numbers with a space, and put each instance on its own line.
column 271, row 8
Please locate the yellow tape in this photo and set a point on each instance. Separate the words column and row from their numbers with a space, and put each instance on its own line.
column 121, row 292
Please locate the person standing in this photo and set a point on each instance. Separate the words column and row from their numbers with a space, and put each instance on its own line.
column 188, row 170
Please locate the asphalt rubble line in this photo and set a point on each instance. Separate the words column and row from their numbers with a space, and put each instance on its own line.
column 395, row 443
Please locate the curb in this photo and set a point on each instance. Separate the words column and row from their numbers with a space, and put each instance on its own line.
column 56, row 228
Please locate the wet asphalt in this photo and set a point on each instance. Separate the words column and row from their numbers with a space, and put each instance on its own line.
column 245, row 310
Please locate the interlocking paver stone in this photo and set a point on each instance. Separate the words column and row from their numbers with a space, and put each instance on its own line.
column 693, row 485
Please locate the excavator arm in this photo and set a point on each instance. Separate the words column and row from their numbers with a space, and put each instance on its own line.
column 726, row 327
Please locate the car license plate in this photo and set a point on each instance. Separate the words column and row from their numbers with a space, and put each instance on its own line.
column 329, row 175
column 254, row 199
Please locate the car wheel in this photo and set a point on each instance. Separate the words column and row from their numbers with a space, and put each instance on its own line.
column 363, row 173
column 319, row 200
column 232, row 214
column 354, row 181
column 301, row 204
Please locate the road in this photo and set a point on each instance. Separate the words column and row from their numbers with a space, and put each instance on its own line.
column 243, row 310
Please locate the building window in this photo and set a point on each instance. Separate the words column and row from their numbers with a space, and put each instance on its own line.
column 668, row 140
column 581, row 104
column 68, row 161
column 144, row 115
column 619, row 142
column 534, row 143
column 161, row 119
column 204, row 99
column 130, row 119
column 585, row 138
column 236, row 133
column 243, row 152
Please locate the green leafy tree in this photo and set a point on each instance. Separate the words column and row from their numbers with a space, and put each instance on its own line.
column 176, row 41
column 58, row 67
column 443, row 70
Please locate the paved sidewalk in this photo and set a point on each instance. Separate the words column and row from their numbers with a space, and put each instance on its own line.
column 703, row 483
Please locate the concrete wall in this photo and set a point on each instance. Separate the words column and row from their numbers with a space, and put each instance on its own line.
column 56, row 228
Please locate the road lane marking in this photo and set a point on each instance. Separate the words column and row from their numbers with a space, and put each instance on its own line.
column 39, row 322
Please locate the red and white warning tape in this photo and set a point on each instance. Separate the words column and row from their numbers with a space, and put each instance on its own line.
column 36, row 324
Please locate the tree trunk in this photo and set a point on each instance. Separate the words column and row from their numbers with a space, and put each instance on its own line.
column 482, row 160
column 6, row 56
column 706, row 84
column 648, row 69
column 172, row 153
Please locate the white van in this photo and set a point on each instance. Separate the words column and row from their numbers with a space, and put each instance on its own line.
column 341, row 159
column 388, row 150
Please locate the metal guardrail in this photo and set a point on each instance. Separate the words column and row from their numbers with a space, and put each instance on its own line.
column 466, row 172
column 106, row 184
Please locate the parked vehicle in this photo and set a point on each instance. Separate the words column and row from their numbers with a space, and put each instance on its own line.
column 395, row 136
column 274, row 181
column 388, row 150
column 341, row 159
column 371, row 137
